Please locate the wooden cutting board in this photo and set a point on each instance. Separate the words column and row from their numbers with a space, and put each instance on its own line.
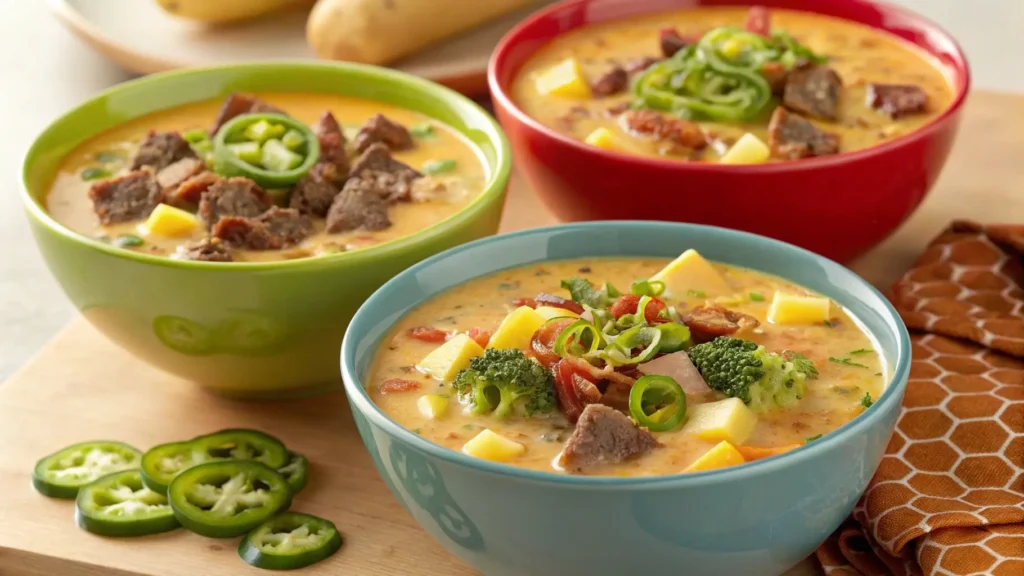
column 81, row 386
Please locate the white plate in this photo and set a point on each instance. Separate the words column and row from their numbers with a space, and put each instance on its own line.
column 141, row 37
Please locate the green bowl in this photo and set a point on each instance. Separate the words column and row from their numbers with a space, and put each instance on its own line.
column 247, row 329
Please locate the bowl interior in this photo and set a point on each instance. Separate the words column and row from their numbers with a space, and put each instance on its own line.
column 609, row 239
column 168, row 90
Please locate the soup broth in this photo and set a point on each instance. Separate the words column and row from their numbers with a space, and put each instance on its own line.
column 583, row 83
column 850, row 371
column 433, row 198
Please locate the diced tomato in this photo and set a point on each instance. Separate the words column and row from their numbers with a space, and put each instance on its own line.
column 544, row 299
column 480, row 336
column 524, row 302
column 627, row 303
column 543, row 341
column 427, row 334
column 759, row 21
column 395, row 385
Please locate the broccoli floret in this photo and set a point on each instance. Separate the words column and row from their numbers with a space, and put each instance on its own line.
column 506, row 382
column 742, row 369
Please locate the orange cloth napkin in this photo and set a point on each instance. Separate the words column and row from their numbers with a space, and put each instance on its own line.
column 948, row 498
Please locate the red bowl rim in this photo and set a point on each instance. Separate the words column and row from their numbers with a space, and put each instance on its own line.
column 961, row 81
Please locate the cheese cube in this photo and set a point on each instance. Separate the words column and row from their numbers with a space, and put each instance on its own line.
column 433, row 406
column 793, row 309
column 167, row 220
column 549, row 312
column 602, row 138
column 445, row 361
column 749, row 149
column 690, row 271
column 728, row 419
column 516, row 330
column 564, row 79
column 488, row 445
column 722, row 455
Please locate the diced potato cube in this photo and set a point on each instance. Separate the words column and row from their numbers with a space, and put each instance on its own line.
column 728, row 419
column 516, row 330
column 749, row 149
column 489, row 445
column 691, row 272
column 445, row 361
column 564, row 79
column 167, row 220
column 433, row 406
column 602, row 138
column 549, row 312
column 794, row 309
column 722, row 455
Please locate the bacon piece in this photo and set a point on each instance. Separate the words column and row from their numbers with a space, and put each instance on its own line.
column 596, row 374
column 661, row 127
column 574, row 388
column 427, row 334
column 480, row 336
column 543, row 342
column 710, row 321
column 612, row 82
column 544, row 299
column 524, row 302
column 627, row 304
column 397, row 385
column 759, row 21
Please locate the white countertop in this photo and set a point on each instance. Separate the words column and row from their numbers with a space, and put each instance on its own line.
column 48, row 71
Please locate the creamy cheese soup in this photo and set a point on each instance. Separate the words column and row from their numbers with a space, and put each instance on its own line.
column 268, row 177
column 504, row 368
column 696, row 84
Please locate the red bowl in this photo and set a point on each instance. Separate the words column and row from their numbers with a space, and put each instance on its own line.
column 838, row 206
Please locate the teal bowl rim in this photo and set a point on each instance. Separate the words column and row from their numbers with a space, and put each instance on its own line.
column 494, row 188
column 360, row 400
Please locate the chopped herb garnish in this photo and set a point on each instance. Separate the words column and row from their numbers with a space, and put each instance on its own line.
column 508, row 286
column 470, row 426
column 424, row 130
column 108, row 157
column 812, row 439
column 416, row 431
column 438, row 166
column 583, row 292
column 756, row 297
column 128, row 241
column 696, row 293
column 866, row 400
column 830, row 323
column 95, row 173
column 878, row 373
column 860, row 351
column 846, row 361
column 406, row 369
column 843, row 390
column 585, row 270
column 541, row 272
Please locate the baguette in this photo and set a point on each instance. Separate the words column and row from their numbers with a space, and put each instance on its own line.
column 382, row 31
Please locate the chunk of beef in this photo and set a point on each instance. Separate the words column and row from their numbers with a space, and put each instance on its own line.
column 378, row 158
column 897, row 100
column 238, row 196
column 792, row 137
column 671, row 42
column 710, row 321
column 190, row 192
column 358, row 205
column 170, row 177
column 275, row 229
column 206, row 250
column 611, row 82
column 332, row 144
column 666, row 128
column 161, row 149
column 316, row 190
column 381, row 129
column 237, row 104
column 813, row 90
column 637, row 65
column 604, row 435
column 776, row 74
column 125, row 198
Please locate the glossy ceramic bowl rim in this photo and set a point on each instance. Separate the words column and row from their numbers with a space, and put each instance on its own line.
column 500, row 55
column 495, row 185
column 360, row 400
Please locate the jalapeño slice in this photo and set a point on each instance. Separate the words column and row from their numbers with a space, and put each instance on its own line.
column 295, row 471
column 63, row 473
column 120, row 505
column 290, row 541
column 227, row 498
column 162, row 463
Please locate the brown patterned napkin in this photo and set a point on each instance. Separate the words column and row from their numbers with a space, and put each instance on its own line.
column 948, row 497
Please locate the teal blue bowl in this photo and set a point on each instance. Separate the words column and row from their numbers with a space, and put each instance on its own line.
column 761, row 518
